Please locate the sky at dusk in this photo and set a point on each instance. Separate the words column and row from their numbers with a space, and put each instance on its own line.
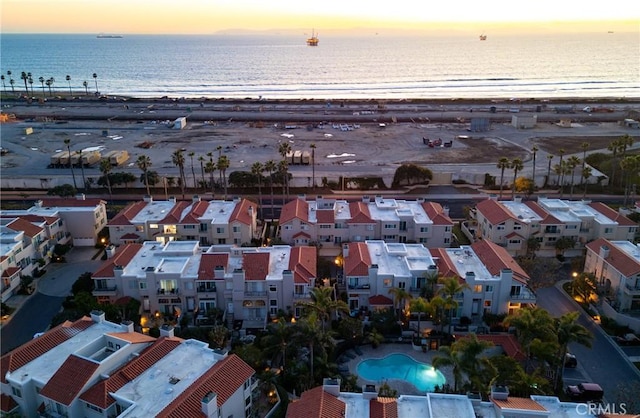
column 326, row 16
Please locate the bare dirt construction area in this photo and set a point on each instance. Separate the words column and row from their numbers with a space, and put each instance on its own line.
column 573, row 144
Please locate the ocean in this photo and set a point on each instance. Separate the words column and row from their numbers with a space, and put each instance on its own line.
column 586, row 65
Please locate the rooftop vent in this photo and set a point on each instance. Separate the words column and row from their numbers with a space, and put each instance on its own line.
column 173, row 380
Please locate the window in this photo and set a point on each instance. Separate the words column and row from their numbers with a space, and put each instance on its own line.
column 273, row 288
column 236, row 229
column 143, row 285
column 608, row 230
column 488, row 288
column 402, row 285
column 487, row 303
column 424, row 229
column 203, row 227
column 133, row 284
column 387, row 282
column 515, row 290
column 153, row 226
column 220, row 230
column 389, row 226
column 324, row 226
column 500, row 227
column 16, row 391
column 93, row 407
column 477, row 288
column 517, row 227
column 447, row 240
column 447, row 229
column 189, row 227
column 369, row 227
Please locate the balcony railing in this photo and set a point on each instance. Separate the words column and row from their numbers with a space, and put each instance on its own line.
column 174, row 291
column 256, row 293
column 302, row 295
column 632, row 288
column 205, row 289
column 360, row 286
column 523, row 296
column 105, row 289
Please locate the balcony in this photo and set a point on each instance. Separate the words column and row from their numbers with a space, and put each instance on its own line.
column 302, row 295
column 174, row 291
column 359, row 287
column 206, row 289
column 633, row 289
column 105, row 291
column 255, row 293
column 524, row 296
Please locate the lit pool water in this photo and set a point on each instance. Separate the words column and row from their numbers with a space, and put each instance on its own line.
column 400, row 366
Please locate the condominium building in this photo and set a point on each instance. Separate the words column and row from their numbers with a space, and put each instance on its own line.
column 328, row 401
column 616, row 266
column 511, row 224
column 331, row 222
column 213, row 222
column 247, row 283
column 96, row 368
column 82, row 218
column 495, row 282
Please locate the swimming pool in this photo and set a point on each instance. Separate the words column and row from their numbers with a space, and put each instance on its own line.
column 400, row 366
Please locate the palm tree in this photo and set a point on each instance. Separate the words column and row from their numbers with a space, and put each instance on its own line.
column 517, row 165
column 41, row 80
column 323, row 304
column 474, row 362
column 49, row 82
column 584, row 147
column 4, row 86
column 84, row 181
column 534, row 151
column 549, row 157
column 257, row 169
column 193, row 171
column 24, row 77
column 568, row 330
column 12, row 82
column 144, row 163
column 451, row 287
column 283, row 150
column 420, row 305
column 586, row 174
column 531, row 324
column 105, row 169
column 277, row 342
column 503, row 164
column 629, row 165
column 95, row 78
column 283, row 171
column 68, row 78
column 177, row 158
column 400, row 298
column 270, row 166
column 449, row 356
column 561, row 170
column 313, row 165
column 223, row 164
column 201, row 160
column 86, row 87
column 210, row 168
column 310, row 333
column 67, row 142
column 31, row 83
column 572, row 163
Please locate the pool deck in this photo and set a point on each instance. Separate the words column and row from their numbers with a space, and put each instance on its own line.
column 383, row 350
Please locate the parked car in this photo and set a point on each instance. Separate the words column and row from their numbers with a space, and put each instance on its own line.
column 585, row 392
column 627, row 339
column 570, row 360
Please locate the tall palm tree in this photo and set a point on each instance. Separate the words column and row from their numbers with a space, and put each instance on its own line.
column 449, row 356
column 49, row 82
column 313, row 165
column 277, row 342
column 223, row 164
column 421, row 305
column 283, row 171
column 86, row 87
column 67, row 142
column 257, row 169
column 177, row 158
column 534, row 151
column 451, row 287
column 68, row 78
column 105, row 169
column 400, row 299
column 12, row 82
column 503, row 164
column 201, row 160
column 323, row 304
column 84, row 180
column 210, row 168
column 270, row 167
column 219, row 149
column 584, row 147
column 561, row 170
column 572, row 163
column 517, row 165
column 283, row 150
column 629, row 165
column 474, row 362
column 95, row 78
column 144, row 163
column 4, row 86
column 30, row 80
column 568, row 330
column 586, row 174
column 531, row 324
column 561, row 151
column 24, row 77
column 549, row 158
column 193, row 171
column 41, row 80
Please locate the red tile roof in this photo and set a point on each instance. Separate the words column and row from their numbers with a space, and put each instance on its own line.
column 380, row 300
column 325, row 216
column 508, row 342
column 256, row 265
column 224, row 379
column 122, row 257
column 494, row 211
column 383, row 408
column 547, row 218
column 241, row 212
column 208, row 263
column 513, row 402
column 446, row 266
column 29, row 229
column 360, row 213
column 7, row 404
column 295, row 209
column 195, row 213
column 175, row 213
column 130, row 236
column 618, row 259
column 358, row 261
column 612, row 214
column 303, row 263
column 301, row 234
column 316, row 403
column 35, row 348
column 69, row 380
column 125, row 216
column 49, row 220
column 10, row 271
column 435, row 212
column 496, row 258
column 99, row 394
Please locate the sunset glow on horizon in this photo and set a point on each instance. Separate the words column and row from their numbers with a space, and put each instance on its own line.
column 332, row 16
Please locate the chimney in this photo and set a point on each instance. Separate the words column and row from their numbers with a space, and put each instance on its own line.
column 331, row 386
column 250, row 211
column 97, row 316
column 166, row 330
column 210, row 404
column 366, row 199
column 604, row 251
column 369, row 392
column 195, row 198
column 38, row 203
column 81, row 196
column 345, row 250
column 110, row 251
column 445, row 211
column 500, row 392
column 147, row 198
column 172, row 199
column 218, row 272
column 128, row 326
column 517, row 199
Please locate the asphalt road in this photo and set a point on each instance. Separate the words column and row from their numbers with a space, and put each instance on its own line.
column 604, row 363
